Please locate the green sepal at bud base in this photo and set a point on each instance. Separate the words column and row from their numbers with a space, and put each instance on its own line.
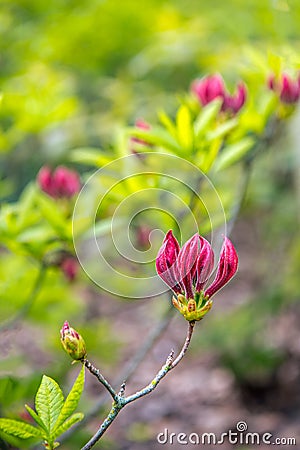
column 192, row 309
column 72, row 342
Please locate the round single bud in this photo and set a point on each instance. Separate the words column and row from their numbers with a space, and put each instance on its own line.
column 72, row 342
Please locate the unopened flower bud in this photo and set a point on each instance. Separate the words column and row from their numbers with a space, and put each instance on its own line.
column 211, row 87
column 44, row 179
column 72, row 342
column 233, row 103
column 286, row 87
column 62, row 182
column 143, row 126
column 187, row 270
column 69, row 266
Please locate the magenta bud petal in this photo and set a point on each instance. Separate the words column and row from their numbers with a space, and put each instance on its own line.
column 240, row 97
column 187, row 259
column 70, row 267
column 233, row 103
column 205, row 264
column 287, row 89
column 64, row 329
column 166, row 261
column 290, row 90
column 44, row 179
column 67, row 182
column 142, row 125
column 227, row 267
column 209, row 88
column 172, row 247
column 271, row 83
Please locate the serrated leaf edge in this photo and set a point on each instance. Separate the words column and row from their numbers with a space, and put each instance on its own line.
column 75, row 391
column 19, row 427
column 50, row 409
column 68, row 423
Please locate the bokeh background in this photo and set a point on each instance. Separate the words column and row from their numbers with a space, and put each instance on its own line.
column 73, row 75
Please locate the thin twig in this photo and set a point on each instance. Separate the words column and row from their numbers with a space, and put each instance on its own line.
column 10, row 323
column 186, row 344
column 121, row 401
column 128, row 370
column 104, row 426
column 100, row 377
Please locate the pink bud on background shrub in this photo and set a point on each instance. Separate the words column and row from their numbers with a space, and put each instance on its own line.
column 187, row 270
column 286, row 87
column 70, row 267
column 211, row 87
column 142, row 125
column 62, row 182
column 142, row 236
column 72, row 342
column 235, row 101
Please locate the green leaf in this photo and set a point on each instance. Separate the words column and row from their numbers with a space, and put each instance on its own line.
column 48, row 402
column 185, row 131
column 168, row 124
column 91, row 156
column 26, row 206
column 205, row 161
column 234, row 153
column 52, row 214
column 38, row 234
column 19, row 429
column 275, row 63
column 156, row 136
column 206, row 116
column 222, row 129
column 72, row 400
column 68, row 424
column 35, row 417
column 104, row 227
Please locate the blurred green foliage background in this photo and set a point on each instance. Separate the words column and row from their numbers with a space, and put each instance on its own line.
column 72, row 76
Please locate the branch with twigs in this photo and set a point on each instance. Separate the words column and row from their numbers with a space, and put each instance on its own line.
column 119, row 399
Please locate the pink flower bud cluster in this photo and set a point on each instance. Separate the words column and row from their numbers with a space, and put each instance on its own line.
column 211, row 87
column 287, row 88
column 60, row 183
column 186, row 271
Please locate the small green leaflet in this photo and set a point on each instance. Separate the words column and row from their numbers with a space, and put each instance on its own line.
column 234, row 153
column 185, row 132
column 53, row 414
column 48, row 402
column 72, row 400
column 20, row 429
column 206, row 116
column 68, row 424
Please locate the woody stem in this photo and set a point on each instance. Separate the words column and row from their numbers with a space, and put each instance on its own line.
column 120, row 401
